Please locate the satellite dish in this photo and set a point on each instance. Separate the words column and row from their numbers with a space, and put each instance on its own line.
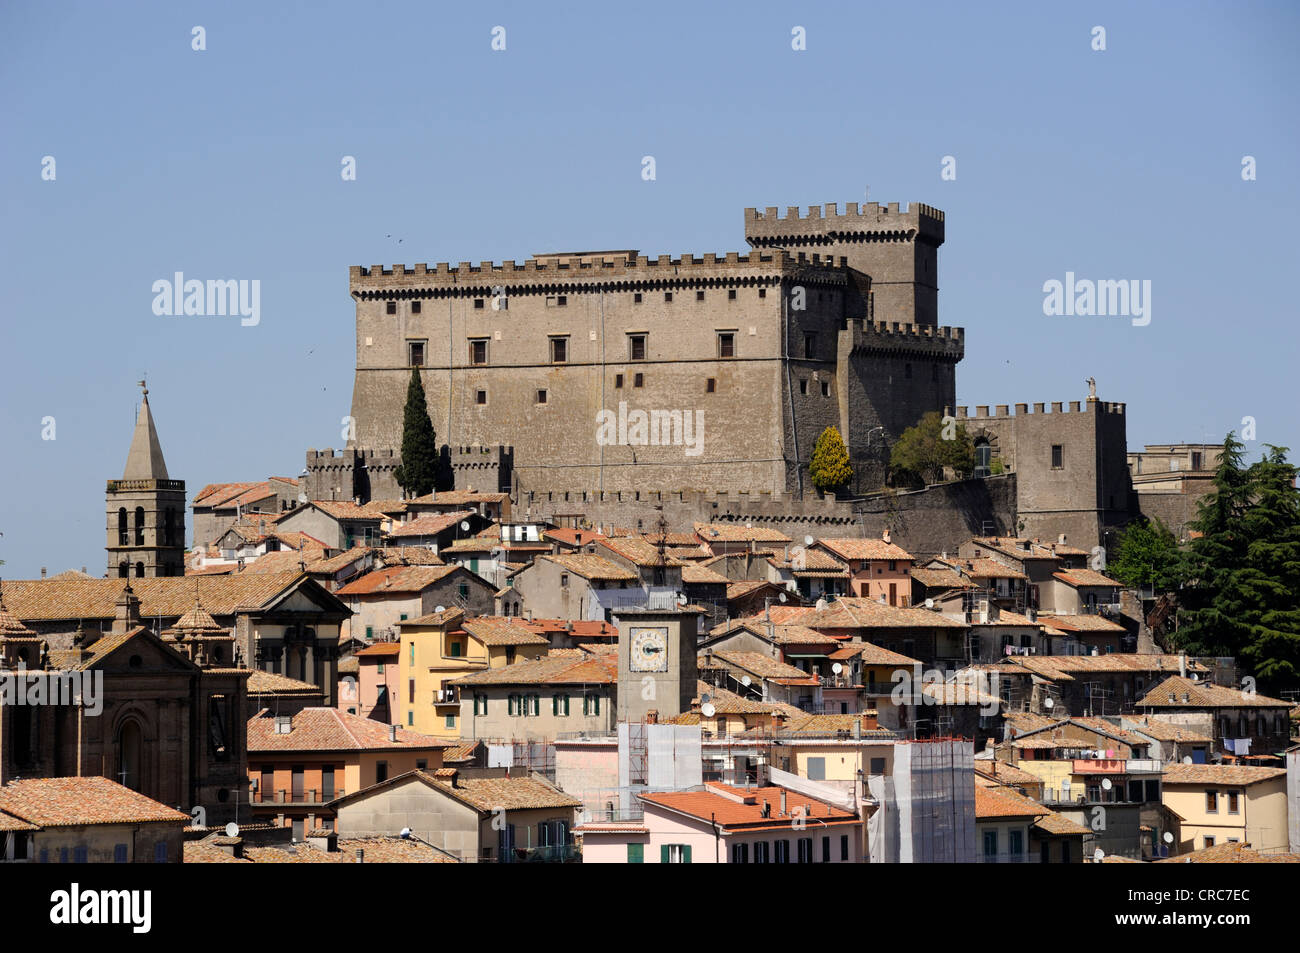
column 232, row 829
column 1105, row 784
column 1048, row 703
column 705, row 698
column 782, row 597
column 681, row 598
column 464, row 525
column 808, row 540
column 821, row 604
column 707, row 710
column 440, row 609
column 1187, row 760
column 745, row 680
column 929, row 603
column 837, row 668
column 1169, row 837
column 1098, row 855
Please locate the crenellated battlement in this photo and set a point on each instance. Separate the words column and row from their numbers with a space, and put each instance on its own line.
column 878, row 337
column 871, row 222
column 1002, row 411
column 591, row 270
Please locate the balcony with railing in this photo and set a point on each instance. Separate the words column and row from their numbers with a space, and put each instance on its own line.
column 445, row 696
column 307, row 796
column 558, row 854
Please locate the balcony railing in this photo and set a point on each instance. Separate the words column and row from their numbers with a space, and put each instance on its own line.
column 559, row 854
column 444, row 696
column 309, row 796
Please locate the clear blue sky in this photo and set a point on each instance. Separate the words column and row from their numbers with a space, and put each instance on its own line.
column 225, row 164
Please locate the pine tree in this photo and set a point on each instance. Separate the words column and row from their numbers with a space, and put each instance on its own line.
column 417, row 474
column 830, row 467
column 1242, row 575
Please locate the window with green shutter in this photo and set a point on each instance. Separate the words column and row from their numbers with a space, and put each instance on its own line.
column 675, row 853
column 636, row 853
column 512, row 706
column 591, row 704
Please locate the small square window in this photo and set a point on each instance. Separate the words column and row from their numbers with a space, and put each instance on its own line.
column 826, row 389
column 415, row 307
column 618, row 381
column 480, row 397
column 636, row 298
column 638, row 380
column 415, row 353
column 559, row 350
column 762, row 292
column 390, row 307
column 731, row 295
column 636, row 347
column 803, row 385
column 699, row 296
column 541, row 396
column 478, row 351
column 478, row 304
column 556, row 301
column 668, row 296
column 726, row 344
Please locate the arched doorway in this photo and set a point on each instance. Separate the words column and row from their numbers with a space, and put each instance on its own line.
column 130, row 756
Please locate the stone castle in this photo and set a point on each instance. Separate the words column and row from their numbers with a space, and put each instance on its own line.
column 716, row 373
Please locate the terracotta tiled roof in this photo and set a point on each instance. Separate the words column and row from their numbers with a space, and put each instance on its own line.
column 378, row 850
column 856, row 613
column 229, row 495
column 595, row 568
column 1230, row 853
column 736, row 533
column 552, row 669
column 396, row 579
column 328, row 729
column 431, row 524
column 460, row 498
column 985, row 568
column 1204, row 695
column 167, row 596
column 73, row 802
column 741, row 809
column 766, row 667
column 1162, row 730
column 1065, row 667
column 409, row 555
column 572, row 537
column 347, row 510
column 693, row 575
column 504, row 630
column 465, row 751
column 870, row 655
column 512, row 793
column 1234, row 774
column 269, row 683
column 443, row 619
column 1061, row 826
column 998, row 802
column 1084, row 577
column 1004, row 772
column 941, row 579
column 635, row 549
column 380, row 650
column 856, row 548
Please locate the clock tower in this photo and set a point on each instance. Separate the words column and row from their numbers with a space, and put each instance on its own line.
column 657, row 668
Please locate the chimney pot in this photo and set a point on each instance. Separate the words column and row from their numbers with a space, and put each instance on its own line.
column 392, row 732
column 42, row 572
column 361, row 855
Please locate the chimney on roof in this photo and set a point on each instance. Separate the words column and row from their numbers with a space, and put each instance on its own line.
column 1182, row 666
column 42, row 572
column 233, row 846
column 1187, row 697
column 392, row 732
column 83, row 570
column 783, row 801
column 885, row 534
column 361, row 855
column 767, row 808
column 652, row 716
column 283, row 724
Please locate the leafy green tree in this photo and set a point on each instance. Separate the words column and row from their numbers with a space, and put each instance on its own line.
column 830, row 467
column 1147, row 555
column 418, row 473
column 924, row 450
column 1241, row 578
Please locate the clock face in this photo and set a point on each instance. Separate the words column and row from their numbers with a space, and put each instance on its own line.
column 649, row 651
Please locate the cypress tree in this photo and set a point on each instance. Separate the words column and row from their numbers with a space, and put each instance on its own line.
column 418, row 471
column 830, row 467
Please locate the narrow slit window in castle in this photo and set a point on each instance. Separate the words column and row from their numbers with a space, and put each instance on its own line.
column 618, row 381
column 711, row 385
column 638, row 380
column 541, row 396
column 636, row 298
column 1058, row 458
column 480, row 397
column 390, row 307
column 803, row 386
column 415, row 307
column 809, row 346
column 826, row 389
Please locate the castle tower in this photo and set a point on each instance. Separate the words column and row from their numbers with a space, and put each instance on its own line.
column 146, row 509
column 898, row 250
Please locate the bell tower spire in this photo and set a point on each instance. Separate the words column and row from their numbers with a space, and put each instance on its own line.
column 146, row 508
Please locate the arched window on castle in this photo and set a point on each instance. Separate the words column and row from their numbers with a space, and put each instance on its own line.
column 983, row 458
column 122, row 537
column 139, row 570
column 169, row 526
column 139, row 525
column 123, row 568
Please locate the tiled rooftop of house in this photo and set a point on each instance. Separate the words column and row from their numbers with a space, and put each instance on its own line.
column 75, row 802
column 328, row 729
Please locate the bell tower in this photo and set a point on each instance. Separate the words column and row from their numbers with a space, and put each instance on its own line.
column 146, row 509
